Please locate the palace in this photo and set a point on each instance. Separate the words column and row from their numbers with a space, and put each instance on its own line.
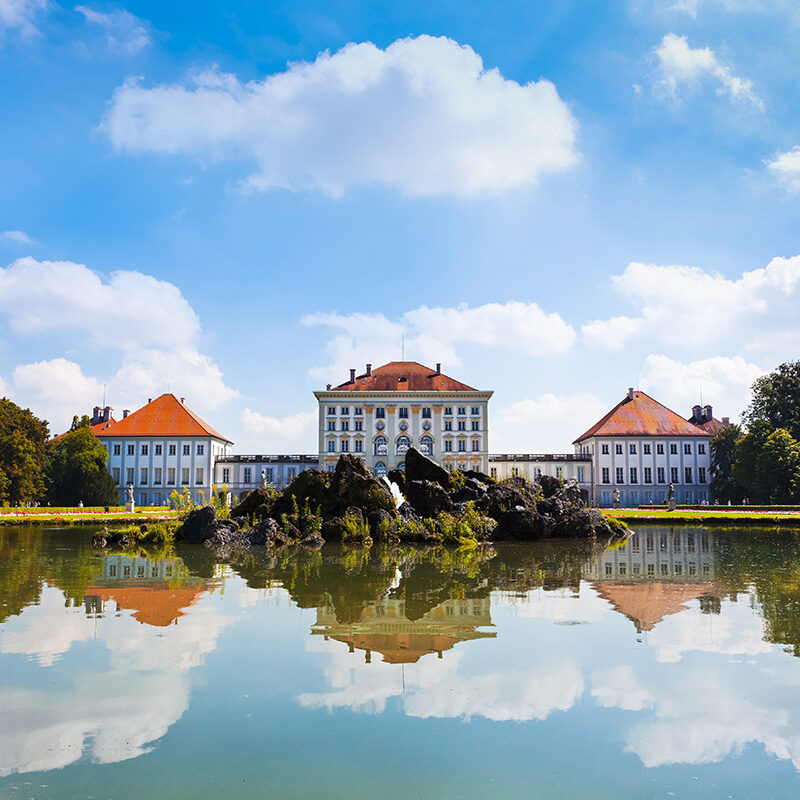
column 379, row 414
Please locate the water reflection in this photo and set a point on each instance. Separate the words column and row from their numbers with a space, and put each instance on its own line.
column 684, row 640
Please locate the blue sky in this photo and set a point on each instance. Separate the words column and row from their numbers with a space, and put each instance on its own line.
column 239, row 202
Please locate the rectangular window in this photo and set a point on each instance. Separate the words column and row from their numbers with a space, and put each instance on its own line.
column 158, row 449
column 448, row 411
column 331, row 424
column 660, row 449
column 198, row 476
column 448, row 446
column 171, row 476
column 129, row 475
column 462, row 425
column 268, row 474
column 130, row 449
column 359, row 446
column 476, row 425
column 358, row 411
column 145, row 449
column 185, row 476
column 618, row 449
column 172, row 449
column 476, row 410
column 673, row 449
column 345, row 411
column 620, row 475
column 632, row 449
column 187, row 449
column 115, row 473
column 226, row 475
column 143, row 476
column 634, row 475
column 331, row 409
column 648, row 475
column 448, row 425
column 701, row 449
column 247, row 475
column 403, row 413
column 345, row 425
column 345, row 445
column 646, row 449
column 201, row 449
column 380, row 413
column 462, row 446
column 116, row 449
column 157, row 476
column 559, row 472
column 580, row 475
column 476, row 445
column 687, row 449
column 606, row 478
column 660, row 475
column 687, row 474
column 331, row 446
column 701, row 474
column 673, row 474
column 493, row 472
column 426, row 413
column 359, row 425
column 604, row 449
column 462, row 410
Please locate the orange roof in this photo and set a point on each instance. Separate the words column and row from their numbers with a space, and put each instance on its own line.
column 164, row 416
column 404, row 376
column 151, row 605
column 640, row 415
column 710, row 427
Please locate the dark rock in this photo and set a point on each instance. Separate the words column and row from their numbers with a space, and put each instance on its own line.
column 202, row 524
column 100, row 539
column 312, row 540
column 406, row 513
column 522, row 524
column 399, row 477
column 254, row 505
column 263, row 532
column 422, row 468
column 382, row 525
column 333, row 529
column 507, row 496
column 285, row 535
column 584, row 524
column 548, row 485
column 310, row 486
column 479, row 476
column 428, row 498
column 352, row 485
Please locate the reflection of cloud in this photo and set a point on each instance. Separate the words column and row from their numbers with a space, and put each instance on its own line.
column 618, row 687
column 563, row 606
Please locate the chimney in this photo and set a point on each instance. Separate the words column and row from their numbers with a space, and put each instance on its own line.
column 697, row 414
column 630, row 393
column 149, row 399
column 369, row 370
column 183, row 400
column 726, row 420
column 328, row 387
column 438, row 368
column 352, row 376
column 125, row 413
column 107, row 413
column 707, row 413
column 96, row 415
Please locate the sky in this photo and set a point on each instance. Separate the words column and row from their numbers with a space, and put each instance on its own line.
column 240, row 202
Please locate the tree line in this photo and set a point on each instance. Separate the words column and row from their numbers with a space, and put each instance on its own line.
column 64, row 471
column 759, row 461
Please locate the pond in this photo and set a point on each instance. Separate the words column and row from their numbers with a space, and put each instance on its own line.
column 665, row 667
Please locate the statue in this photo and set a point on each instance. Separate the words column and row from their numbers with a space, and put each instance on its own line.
column 129, row 504
column 263, row 478
column 616, row 498
column 671, row 497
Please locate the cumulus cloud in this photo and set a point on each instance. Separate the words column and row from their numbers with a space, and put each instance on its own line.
column 678, row 63
column 722, row 381
column 618, row 687
column 544, row 424
column 277, row 432
column 424, row 116
column 687, row 305
column 786, row 167
column 433, row 334
column 147, row 321
column 16, row 236
column 125, row 32
column 20, row 15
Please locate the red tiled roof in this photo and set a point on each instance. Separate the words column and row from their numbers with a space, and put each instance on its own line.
column 164, row 416
column 640, row 415
column 404, row 376
column 710, row 427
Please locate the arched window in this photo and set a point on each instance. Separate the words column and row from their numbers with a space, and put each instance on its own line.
column 379, row 443
column 402, row 445
column 426, row 445
column 380, row 469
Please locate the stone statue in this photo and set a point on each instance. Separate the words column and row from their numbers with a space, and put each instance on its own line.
column 130, row 507
column 263, row 478
column 130, row 492
column 616, row 498
column 671, row 498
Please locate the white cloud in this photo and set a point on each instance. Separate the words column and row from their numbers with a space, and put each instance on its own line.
column 786, row 167
column 687, row 305
column 723, row 382
column 423, row 116
column 146, row 320
column 20, row 15
column 611, row 333
column 546, row 423
column 432, row 335
column 16, row 236
column 125, row 32
column 618, row 687
column 679, row 63
column 276, row 432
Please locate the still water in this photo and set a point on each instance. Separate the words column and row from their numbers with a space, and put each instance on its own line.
column 666, row 667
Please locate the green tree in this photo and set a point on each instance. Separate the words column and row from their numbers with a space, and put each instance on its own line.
column 778, row 464
column 724, row 486
column 76, row 469
column 23, row 438
column 776, row 399
column 745, row 464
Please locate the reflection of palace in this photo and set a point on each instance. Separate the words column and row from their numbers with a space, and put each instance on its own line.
column 156, row 590
column 654, row 574
column 384, row 628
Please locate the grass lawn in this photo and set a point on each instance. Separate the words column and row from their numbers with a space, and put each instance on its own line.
column 659, row 516
column 40, row 516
